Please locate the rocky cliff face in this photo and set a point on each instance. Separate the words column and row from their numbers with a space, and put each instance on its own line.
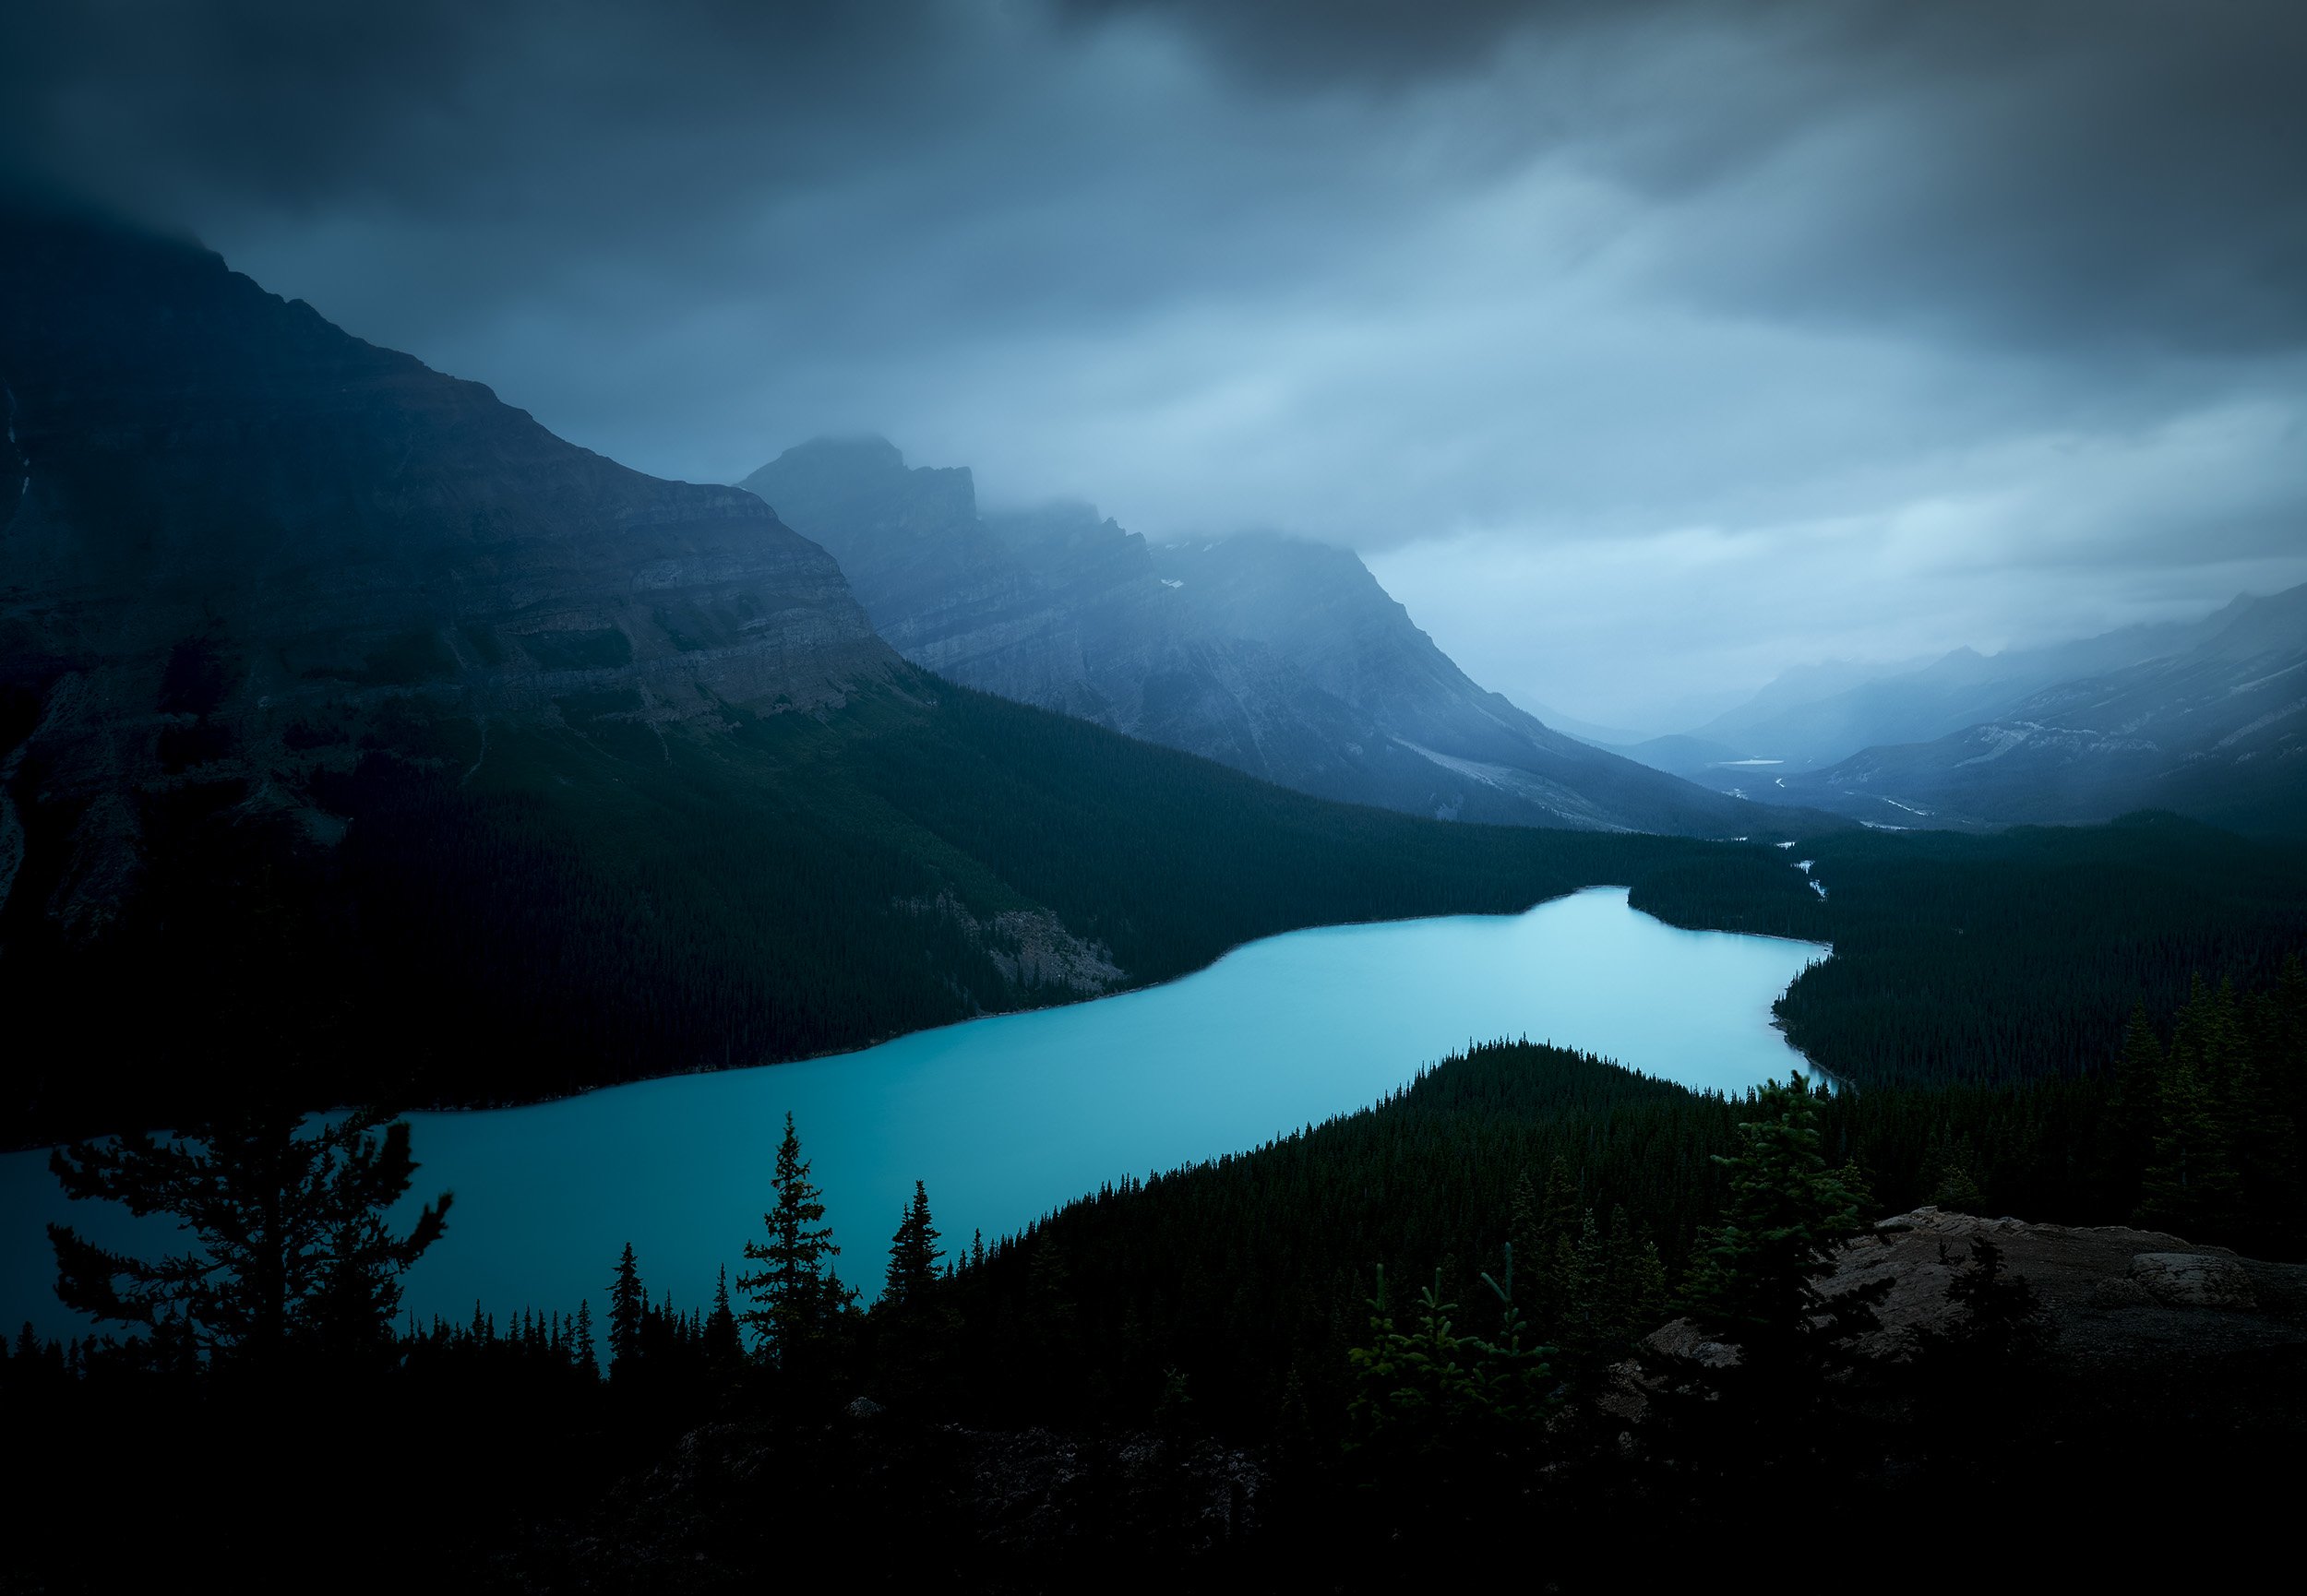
column 1278, row 657
column 1055, row 607
column 242, row 539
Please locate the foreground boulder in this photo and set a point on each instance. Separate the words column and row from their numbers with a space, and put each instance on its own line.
column 2193, row 1280
column 2111, row 1292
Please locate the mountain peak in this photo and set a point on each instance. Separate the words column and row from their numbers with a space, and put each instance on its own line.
column 858, row 451
column 1280, row 656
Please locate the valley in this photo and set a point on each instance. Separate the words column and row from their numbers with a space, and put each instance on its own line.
column 616, row 983
column 2203, row 719
column 348, row 707
column 1007, row 1118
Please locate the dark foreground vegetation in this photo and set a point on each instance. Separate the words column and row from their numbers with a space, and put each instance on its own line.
column 1421, row 1331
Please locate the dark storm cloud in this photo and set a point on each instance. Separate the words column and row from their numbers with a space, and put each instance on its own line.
column 873, row 159
column 1380, row 42
column 2060, row 168
column 1636, row 341
column 2119, row 168
column 488, row 109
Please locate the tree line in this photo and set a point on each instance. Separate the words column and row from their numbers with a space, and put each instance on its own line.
column 594, row 903
column 1417, row 1315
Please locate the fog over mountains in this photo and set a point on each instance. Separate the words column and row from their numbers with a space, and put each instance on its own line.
column 345, row 707
column 1286, row 660
column 1720, row 337
column 2217, row 729
column 2208, row 718
column 1279, row 656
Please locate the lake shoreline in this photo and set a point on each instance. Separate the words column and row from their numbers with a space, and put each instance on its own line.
column 1009, row 1116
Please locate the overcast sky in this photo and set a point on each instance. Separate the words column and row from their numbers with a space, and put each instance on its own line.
column 1642, row 349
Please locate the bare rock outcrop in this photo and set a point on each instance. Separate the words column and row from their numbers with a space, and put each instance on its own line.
column 2194, row 1280
column 2111, row 1291
column 2111, row 1294
column 1030, row 947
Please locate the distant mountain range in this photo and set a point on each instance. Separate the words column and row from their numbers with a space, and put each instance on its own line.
column 2206, row 718
column 2216, row 731
column 360, row 740
column 1282, row 658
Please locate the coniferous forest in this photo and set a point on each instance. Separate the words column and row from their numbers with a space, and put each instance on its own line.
column 1019, row 797
column 1332, row 1354
column 588, row 908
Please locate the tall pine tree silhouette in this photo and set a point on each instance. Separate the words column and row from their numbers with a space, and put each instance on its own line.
column 796, row 1297
column 582, row 1352
column 913, row 1254
column 723, row 1345
column 628, row 1307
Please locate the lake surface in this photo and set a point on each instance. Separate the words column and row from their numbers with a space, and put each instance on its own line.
column 1008, row 1117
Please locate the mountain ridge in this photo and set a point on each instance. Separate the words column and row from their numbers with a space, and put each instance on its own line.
column 388, row 537
column 1814, row 716
column 361, row 741
column 1279, row 656
column 2216, row 731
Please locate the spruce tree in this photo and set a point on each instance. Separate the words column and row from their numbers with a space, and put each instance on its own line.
column 2275, row 1031
column 1575, row 1285
column 293, row 1251
column 798, row 1300
column 1435, row 1413
column 1971, row 1382
column 2127, row 1139
column 2002, row 1328
column 1632, row 1288
column 1953, row 1171
column 582, row 1353
column 913, row 1255
column 1544, row 1226
column 719, row 1334
column 1758, row 1283
column 913, row 1321
column 2190, row 1185
column 628, row 1311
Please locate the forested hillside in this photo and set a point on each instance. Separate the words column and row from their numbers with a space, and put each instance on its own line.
column 2001, row 958
column 563, row 906
column 359, row 737
column 1598, row 1177
column 1342, row 1352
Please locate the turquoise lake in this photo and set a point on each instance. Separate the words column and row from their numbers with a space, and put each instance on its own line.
column 1008, row 1117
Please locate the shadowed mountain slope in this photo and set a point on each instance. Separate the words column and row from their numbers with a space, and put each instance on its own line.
column 1282, row 658
column 243, row 538
column 361, row 739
